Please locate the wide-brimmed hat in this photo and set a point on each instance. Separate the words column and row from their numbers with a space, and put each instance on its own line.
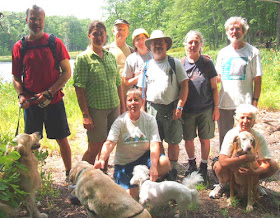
column 121, row 21
column 158, row 34
column 138, row 32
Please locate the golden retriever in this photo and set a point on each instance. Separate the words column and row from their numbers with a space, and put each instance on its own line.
column 101, row 196
column 30, row 179
column 247, row 186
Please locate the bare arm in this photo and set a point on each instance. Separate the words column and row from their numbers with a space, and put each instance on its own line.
column 19, row 89
column 257, row 90
column 121, row 96
column 183, row 95
column 144, row 99
column 228, row 162
column 155, row 153
column 87, row 121
column 216, row 113
column 107, row 148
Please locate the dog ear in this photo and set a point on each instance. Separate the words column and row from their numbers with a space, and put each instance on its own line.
column 236, row 142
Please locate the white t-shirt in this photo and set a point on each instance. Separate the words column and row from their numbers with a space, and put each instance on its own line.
column 237, row 68
column 133, row 138
column 160, row 90
column 133, row 63
column 261, row 144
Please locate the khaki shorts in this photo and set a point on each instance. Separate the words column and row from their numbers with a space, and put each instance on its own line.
column 201, row 122
column 170, row 130
column 102, row 121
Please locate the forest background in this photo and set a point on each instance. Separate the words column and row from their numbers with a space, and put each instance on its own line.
column 174, row 17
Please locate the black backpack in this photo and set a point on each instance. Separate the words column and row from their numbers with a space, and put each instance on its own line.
column 51, row 44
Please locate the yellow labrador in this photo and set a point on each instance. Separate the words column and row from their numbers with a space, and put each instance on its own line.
column 101, row 196
column 245, row 185
column 30, row 179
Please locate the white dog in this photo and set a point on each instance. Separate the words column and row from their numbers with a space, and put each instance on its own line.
column 158, row 193
column 30, row 179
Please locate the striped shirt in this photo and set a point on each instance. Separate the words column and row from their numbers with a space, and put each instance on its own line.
column 99, row 78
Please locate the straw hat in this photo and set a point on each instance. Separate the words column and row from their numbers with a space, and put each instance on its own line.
column 158, row 34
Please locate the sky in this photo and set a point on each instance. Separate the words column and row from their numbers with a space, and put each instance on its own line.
column 79, row 8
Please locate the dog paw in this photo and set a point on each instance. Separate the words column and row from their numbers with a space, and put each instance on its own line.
column 249, row 208
column 176, row 216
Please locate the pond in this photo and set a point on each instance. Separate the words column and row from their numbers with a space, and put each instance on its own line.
column 6, row 70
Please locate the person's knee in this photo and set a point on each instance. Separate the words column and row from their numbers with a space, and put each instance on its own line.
column 221, row 172
column 163, row 165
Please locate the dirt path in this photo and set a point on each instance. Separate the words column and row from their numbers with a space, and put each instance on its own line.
column 269, row 206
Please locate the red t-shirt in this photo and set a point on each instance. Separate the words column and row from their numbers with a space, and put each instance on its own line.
column 40, row 70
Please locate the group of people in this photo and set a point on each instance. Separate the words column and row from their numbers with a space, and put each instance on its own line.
column 136, row 98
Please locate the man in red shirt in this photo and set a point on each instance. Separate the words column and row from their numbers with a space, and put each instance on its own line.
column 36, row 74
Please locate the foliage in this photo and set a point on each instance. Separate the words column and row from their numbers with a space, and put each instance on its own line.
column 10, row 191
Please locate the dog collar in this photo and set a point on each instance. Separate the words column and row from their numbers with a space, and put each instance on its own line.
column 80, row 173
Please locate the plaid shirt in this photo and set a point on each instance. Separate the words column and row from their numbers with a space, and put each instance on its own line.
column 99, row 78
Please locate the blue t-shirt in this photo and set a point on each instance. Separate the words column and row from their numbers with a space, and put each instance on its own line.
column 200, row 96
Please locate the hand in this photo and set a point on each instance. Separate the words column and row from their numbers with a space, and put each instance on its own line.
column 216, row 114
column 88, row 123
column 246, row 171
column 141, row 68
column 99, row 164
column 23, row 102
column 153, row 174
column 177, row 113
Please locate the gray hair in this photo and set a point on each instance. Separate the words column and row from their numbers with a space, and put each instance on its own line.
column 193, row 32
column 248, row 109
column 241, row 20
column 35, row 8
column 134, row 91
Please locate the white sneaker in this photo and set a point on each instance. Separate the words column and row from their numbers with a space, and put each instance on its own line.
column 217, row 191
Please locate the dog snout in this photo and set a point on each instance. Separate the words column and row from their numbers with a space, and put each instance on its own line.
column 35, row 146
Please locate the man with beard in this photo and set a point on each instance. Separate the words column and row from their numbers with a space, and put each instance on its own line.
column 39, row 74
column 239, row 69
column 166, row 90
column 119, row 48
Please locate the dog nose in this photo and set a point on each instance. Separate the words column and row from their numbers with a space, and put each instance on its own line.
column 249, row 149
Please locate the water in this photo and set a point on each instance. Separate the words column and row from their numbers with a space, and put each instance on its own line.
column 6, row 70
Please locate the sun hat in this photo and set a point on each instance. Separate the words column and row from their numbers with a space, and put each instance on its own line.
column 138, row 32
column 158, row 34
column 121, row 21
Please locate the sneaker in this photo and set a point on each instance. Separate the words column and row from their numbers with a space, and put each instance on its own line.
column 172, row 175
column 203, row 171
column 191, row 167
column 217, row 192
column 262, row 192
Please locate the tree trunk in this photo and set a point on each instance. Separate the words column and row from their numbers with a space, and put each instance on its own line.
column 278, row 25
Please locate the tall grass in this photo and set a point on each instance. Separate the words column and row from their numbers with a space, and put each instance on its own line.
column 9, row 110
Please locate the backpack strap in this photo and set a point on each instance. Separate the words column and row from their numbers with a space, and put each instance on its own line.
column 171, row 61
column 52, row 45
column 144, row 76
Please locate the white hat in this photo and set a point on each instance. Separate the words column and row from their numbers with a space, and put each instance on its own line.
column 138, row 32
column 158, row 34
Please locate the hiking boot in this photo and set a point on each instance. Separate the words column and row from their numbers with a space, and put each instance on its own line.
column 203, row 171
column 172, row 175
column 262, row 192
column 217, row 192
column 191, row 167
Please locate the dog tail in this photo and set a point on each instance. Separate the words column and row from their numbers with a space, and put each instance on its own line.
column 192, row 179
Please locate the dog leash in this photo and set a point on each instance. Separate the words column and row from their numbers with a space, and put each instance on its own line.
column 19, row 112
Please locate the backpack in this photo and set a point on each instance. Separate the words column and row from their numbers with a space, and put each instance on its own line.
column 51, row 44
column 172, row 70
